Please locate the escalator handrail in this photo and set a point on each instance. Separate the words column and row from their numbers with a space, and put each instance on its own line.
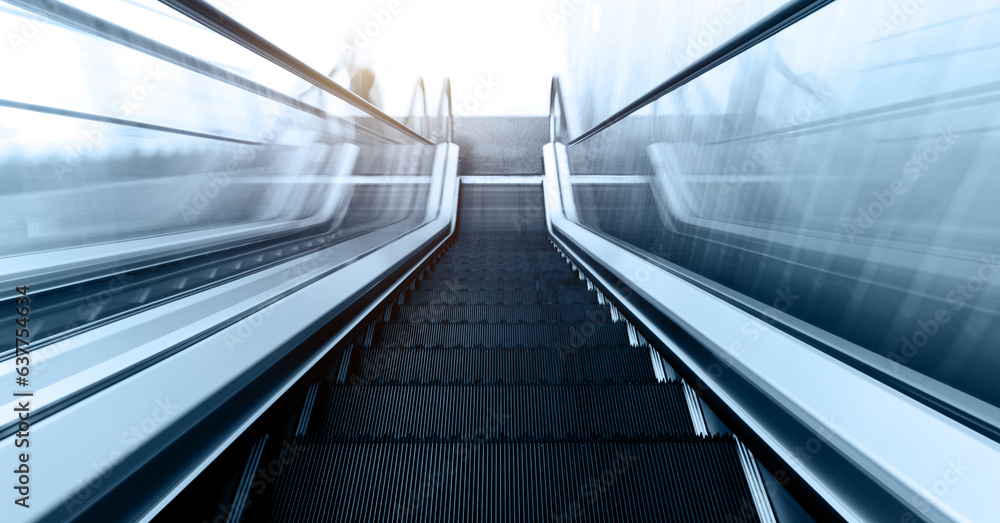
column 219, row 22
column 766, row 27
column 558, row 131
column 419, row 95
column 444, row 110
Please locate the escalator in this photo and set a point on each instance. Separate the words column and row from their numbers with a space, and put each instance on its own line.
column 500, row 386
column 283, row 304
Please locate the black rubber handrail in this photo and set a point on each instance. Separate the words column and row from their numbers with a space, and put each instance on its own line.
column 766, row 27
column 216, row 20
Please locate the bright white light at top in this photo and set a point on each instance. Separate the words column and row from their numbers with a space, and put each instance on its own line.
column 511, row 45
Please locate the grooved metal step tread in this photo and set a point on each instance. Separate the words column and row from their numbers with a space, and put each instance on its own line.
column 484, row 284
column 528, row 335
column 523, row 412
column 487, row 253
column 500, row 275
column 686, row 482
column 489, row 258
column 494, row 366
column 507, row 252
column 528, row 313
column 463, row 297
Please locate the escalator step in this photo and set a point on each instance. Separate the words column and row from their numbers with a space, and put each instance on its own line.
column 521, row 274
column 554, row 261
column 493, row 284
column 413, row 365
column 528, row 313
column 528, row 335
column 482, row 253
column 455, row 297
column 497, row 262
column 491, row 239
column 682, row 481
column 520, row 412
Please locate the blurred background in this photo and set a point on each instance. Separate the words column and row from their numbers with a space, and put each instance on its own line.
column 845, row 161
column 840, row 172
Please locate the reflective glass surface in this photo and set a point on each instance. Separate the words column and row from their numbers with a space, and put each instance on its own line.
column 133, row 174
column 617, row 51
column 842, row 172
